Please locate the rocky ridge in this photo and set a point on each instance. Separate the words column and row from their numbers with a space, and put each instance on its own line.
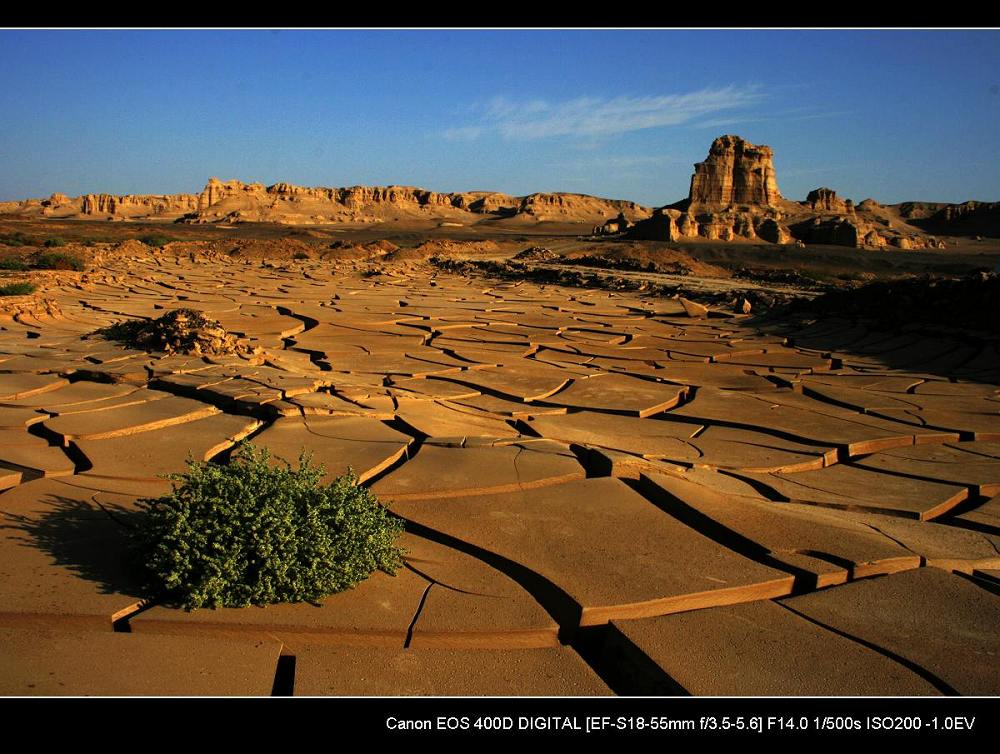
column 235, row 202
column 734, row 195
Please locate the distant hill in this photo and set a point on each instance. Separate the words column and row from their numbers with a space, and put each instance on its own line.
column 235, row 202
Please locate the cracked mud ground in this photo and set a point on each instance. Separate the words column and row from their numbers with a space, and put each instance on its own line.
column 602, row 494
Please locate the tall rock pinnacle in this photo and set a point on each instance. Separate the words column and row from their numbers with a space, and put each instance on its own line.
column 735, row 172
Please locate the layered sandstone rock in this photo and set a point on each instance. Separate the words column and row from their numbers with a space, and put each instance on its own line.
column 137, row 205
column 969, row 218
column 614, row 225
column 235, row 201
column 859, row 233
column 284, row 202
column 662, row 226
column 735, row 172
column 215, row 191
column 772, row 231
column 56, row 200
column 826, row 200
column 734, row 196
column 567, row 207
column 673, row 225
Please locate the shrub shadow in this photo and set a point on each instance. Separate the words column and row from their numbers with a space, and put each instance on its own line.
column 87, row 541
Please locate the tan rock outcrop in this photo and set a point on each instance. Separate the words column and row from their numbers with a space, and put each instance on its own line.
column 137, row 205
column 56, row 200
column 734, row 196
column 772, row 231
column 215, row 191
column 687, row 225
column 560, row 207
column 660, row 227
column 235, row 201
column 613, row 226
column 735, row 172
column 826, row 200
column 860, row 234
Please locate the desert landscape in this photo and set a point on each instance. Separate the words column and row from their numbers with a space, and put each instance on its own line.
column 688, row 450
column 705, row 426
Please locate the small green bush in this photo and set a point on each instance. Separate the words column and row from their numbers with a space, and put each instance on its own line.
column 14, row 263
column 15, row 239
column 254, row 533
column 17, row 289
column 300, row 255
column 52, row 243
column 156, row 240
column 58, row 261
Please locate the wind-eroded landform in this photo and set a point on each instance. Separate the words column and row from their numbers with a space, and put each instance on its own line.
column 624, row 466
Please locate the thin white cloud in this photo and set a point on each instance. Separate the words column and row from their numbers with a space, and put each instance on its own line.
column 784, row 117
column 594, row 117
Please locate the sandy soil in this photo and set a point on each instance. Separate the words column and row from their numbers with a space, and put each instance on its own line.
column 600, row 491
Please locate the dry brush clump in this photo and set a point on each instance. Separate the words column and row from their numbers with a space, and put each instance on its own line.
column 257, row 533
column 183, row 331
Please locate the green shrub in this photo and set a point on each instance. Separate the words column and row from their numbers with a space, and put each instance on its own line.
column 15, row 239
column 300, row 255
column 14, row 263
column 156, row 240
column 17, row 289
column 52, row 243
column 58, row 261
column 254, row 533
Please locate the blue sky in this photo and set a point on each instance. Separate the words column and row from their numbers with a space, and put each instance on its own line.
column 895, row 115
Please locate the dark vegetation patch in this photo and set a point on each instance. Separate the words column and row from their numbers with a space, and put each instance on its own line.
column 57, row 260
column 183, row 331
column 17, row 289
column 257, row 533
column 968, row 302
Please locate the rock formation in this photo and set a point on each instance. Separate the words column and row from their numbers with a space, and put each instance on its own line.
column 136, row 205
column 861, row 232
column 662, row 226
column 734, row 196
column 613, row 226
column 235, row 201
column 56, row 200
column 772, row 231
column 284, row 203
column 826, row 200
column 969, row 218
column 735, row 172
